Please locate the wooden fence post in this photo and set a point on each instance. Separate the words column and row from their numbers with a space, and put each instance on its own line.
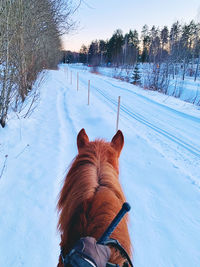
column 77, row 80
column 88, row 92
column 117, row 124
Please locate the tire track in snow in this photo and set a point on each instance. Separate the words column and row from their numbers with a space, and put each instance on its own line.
column 139, row 118
column 181, row 114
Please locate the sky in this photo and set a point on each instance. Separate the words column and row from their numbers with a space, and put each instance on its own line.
column 98, row 19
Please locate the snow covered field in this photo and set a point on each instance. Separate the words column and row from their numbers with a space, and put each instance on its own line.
column 186, row 90
column 159, row 169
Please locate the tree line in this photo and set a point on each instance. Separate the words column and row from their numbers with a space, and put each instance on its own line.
column 165, row 53
column 30, row 33
column 181, row 43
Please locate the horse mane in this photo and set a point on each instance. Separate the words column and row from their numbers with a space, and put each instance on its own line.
column 91, row 197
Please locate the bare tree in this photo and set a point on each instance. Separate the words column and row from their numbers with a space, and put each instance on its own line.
column 30, row 33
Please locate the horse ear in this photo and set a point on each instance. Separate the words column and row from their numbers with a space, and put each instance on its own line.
column 118, row 141
column 82, row 139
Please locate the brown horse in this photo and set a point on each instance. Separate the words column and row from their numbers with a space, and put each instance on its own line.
column 91, row 195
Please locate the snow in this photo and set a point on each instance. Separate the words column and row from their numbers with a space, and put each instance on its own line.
column 187, row 89
column 159, row 168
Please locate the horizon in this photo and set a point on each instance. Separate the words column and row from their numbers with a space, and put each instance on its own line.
column 94, row 18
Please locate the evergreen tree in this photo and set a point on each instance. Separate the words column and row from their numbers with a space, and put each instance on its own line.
column 154, row 51
column 83, row 54
column 93, row 53
column 164, row 36
column 102, row 51
column 136, row 75
column 146, row 43
column 115, row 47
column 175, row 40
column 131, row 47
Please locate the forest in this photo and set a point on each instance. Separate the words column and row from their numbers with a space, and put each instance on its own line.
column 168, row 51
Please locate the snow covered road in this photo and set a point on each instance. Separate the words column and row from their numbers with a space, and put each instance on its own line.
column 159, row 169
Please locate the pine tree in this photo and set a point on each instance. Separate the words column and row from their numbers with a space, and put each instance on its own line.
column 146, row 41
column 136, row 75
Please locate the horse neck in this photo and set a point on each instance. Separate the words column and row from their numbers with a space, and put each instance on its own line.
column 88, row 178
